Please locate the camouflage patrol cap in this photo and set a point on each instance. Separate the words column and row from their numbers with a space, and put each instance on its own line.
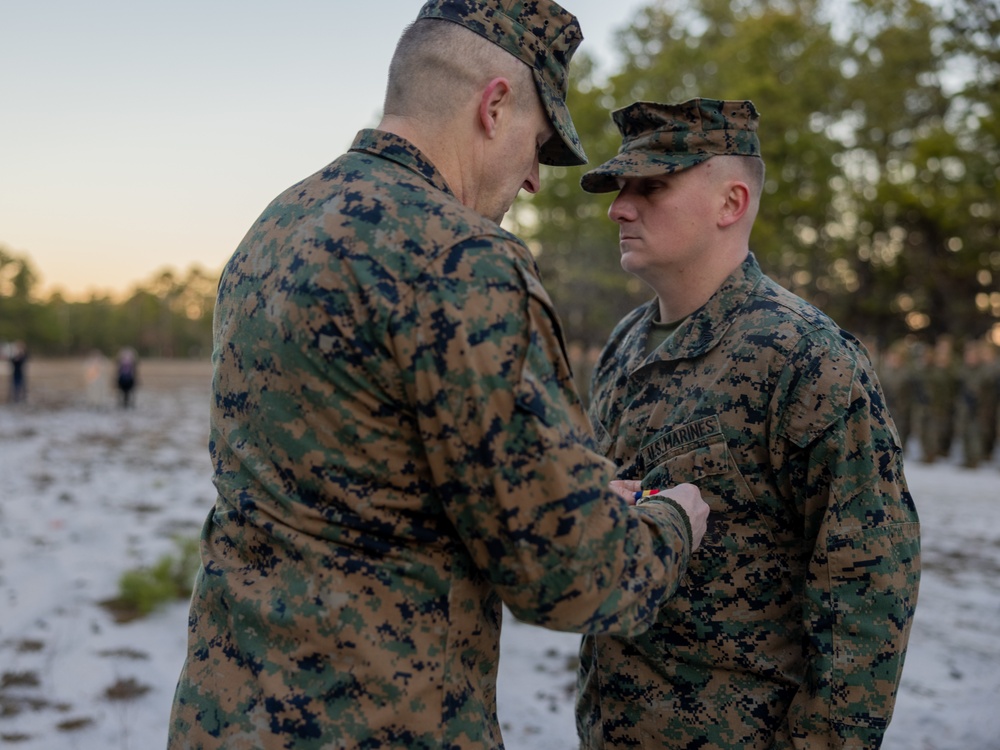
column 666, row 138
column 542, row 35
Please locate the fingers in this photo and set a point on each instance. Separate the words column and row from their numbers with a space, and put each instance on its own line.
column 689, row 498
column 626, row 489
column 686, row 495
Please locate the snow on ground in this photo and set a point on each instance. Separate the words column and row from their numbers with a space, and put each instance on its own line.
column 86, row 495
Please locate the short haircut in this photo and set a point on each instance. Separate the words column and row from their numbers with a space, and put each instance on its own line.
column 750, row 168
column 755, row 171
column 438, row 65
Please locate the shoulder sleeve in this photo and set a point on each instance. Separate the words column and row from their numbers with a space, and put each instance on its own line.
column 505, row 435
column 816, row 389
column 860, row 523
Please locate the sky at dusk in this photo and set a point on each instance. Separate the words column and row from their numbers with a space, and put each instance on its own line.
column 139, row 135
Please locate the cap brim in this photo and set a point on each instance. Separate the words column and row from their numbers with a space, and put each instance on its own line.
column 564, row 148
column 637, row 164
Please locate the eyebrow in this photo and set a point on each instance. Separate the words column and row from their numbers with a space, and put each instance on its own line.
column 622, row 181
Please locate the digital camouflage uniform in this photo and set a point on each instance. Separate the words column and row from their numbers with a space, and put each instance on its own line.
column 991, row 408
column 972, row 405
column 937, row 388
column 398, row 447
column 790, row 628
column 898, row 379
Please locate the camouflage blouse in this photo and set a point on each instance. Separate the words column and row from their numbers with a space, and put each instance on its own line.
column 398, row 447
column 791, row 626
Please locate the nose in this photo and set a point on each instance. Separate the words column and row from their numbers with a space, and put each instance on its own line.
column 622, row 209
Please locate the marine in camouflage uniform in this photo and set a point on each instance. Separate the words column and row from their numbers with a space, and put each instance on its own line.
column 973, row 414
column 790, row 628
column 898, row 379
column 938, row 386
column 991, row 405
column 398, row 447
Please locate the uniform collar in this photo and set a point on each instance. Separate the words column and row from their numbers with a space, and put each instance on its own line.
column 394, row 148
column 706, row 326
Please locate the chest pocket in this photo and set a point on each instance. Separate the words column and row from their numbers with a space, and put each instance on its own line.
column 738, row 558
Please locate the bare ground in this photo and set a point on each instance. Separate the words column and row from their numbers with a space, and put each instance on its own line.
column 54, row 383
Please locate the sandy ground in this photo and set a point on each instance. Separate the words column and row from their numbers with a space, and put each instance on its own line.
column 89, row 490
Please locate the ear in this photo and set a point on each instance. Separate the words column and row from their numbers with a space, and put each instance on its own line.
column 492, row 105
column 736, row 202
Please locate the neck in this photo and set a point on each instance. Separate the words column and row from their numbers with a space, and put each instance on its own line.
column 438, row 142
column 682, row 291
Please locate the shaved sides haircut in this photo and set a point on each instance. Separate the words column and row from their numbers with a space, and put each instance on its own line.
column 438, row 65
column 748, row 168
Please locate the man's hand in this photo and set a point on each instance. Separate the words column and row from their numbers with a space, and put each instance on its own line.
column 686, row 495
column 689, row 498
column 626, row 488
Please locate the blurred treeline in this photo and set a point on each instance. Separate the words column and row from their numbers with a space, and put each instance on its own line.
column 169, row 315
column 880, row 126
column 880, row 122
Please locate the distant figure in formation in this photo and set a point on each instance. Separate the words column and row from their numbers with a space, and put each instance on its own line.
column 973, row 412
column 991, row 406
column 18, row 383
column 938, row 391
column 900, row 384
column 942, row 393
column 127, row 378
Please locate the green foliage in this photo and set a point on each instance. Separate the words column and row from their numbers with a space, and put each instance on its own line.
column 168, row 316
column 881, row 202
column 20, row 316
column 170, row 578
column 880, row 126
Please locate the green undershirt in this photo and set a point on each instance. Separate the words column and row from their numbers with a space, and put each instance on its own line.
column 659, row 333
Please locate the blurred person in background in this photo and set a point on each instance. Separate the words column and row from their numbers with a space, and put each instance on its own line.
column 18, row 358
column 991, row 404
column 95, row 380
column 899, row 384
column 937, row 386
column 127, row 376
column 973, row 412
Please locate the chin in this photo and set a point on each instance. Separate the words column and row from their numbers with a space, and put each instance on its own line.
column 639, row 270
column 630, row 264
